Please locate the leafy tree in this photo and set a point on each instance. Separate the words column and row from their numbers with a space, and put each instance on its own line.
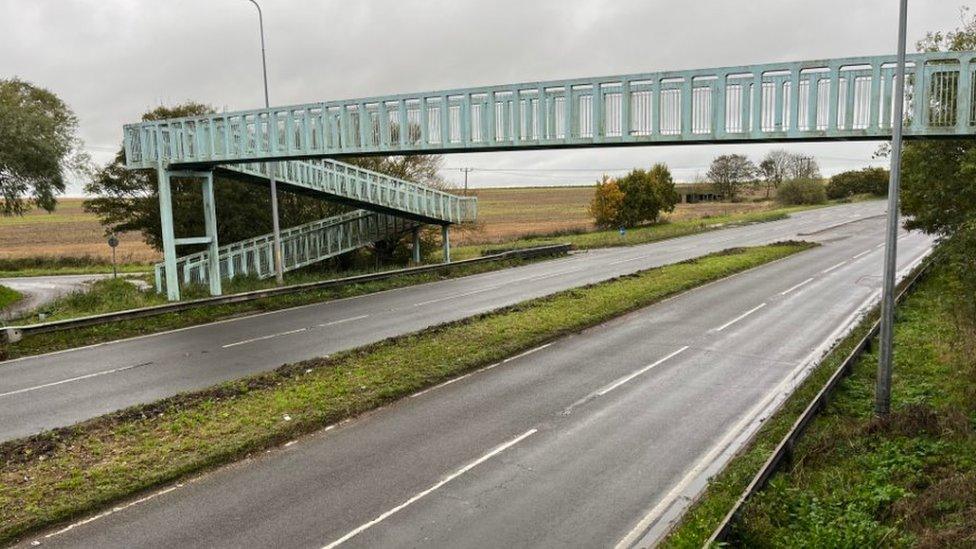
column 646, row 195
column 607, row 203
column 937, row 175
column 38, row 147
column 729, row 173
column 636, row 198
column 938, row 194
column 794, row 192
column 872, row 181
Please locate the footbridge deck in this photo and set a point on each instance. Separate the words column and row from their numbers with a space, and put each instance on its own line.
column 831, row 99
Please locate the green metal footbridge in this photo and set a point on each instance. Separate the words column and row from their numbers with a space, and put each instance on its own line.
column 817, row 100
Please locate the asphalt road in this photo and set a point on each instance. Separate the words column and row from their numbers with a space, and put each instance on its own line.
column 58, row 389
column 597, row 439
column 39, row 290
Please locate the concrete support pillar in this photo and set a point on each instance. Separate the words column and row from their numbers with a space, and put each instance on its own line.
column 169, row 238
column 210, row 222
column 446, row 239
column 416, row 245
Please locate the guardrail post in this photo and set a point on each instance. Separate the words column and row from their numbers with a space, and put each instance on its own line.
column 169, row 238
column 210, row 223
column 446, row 239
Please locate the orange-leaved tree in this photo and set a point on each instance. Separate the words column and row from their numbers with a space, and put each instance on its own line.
column 607, row 204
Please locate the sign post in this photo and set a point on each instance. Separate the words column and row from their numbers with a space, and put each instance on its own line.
column 113, row 242
column 882, row 396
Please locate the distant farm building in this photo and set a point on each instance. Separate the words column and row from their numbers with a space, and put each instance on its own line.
column 691, row 193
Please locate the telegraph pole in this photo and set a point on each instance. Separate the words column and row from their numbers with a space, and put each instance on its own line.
column 275, row 227
column 882, row 399
column 466, row 171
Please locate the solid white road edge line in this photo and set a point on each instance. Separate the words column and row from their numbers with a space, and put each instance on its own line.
column 796, row 377
column 645, row 523
column 112, row 511
column 804, row 283
column 445, row 480
column 740, row 317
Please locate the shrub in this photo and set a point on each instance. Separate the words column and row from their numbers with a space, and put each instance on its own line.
column 872, row 181
column 606, row 204
column 636, row 198
column 795, row 192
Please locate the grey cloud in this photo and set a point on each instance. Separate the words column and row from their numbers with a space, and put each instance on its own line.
column 111, row 60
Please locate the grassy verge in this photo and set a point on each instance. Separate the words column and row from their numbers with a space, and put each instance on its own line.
column 632, row 237
column 58, row 475
column 50, row 265
column 115, row 295
column 908, row 481
column 8, row 296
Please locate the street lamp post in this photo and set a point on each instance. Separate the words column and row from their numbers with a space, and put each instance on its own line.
column 276, row 229
column 882, row 398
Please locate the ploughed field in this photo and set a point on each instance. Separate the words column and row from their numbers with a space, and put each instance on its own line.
column 69, row 231
column 511, row 213
column 504, row 214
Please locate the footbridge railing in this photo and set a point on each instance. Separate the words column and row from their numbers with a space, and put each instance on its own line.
column 366, row 188
column 301, row 246
column 848, row 98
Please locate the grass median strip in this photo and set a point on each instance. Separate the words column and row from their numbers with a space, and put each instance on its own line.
column 112, row 295
column 58, row 475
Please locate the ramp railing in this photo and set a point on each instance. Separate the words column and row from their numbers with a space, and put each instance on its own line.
column 301, row 246
column 367, row 188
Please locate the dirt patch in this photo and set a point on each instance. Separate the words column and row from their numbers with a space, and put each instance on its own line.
column 951, row 501
column 919, row 420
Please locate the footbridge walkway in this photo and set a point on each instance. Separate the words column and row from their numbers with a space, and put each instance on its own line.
column 817, row 100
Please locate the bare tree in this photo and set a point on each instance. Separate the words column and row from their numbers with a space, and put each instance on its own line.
column 802, row 167
column 773, row 169
column 730, row 172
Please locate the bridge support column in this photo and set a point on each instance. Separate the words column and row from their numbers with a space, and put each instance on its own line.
column 210, row 222
column 416, row 245
column 446, row 239
column 169, row 238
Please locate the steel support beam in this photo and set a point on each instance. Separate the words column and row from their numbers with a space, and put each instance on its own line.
column 210, row 222
column 169, row 237
column 446, row 240
column 416, row 245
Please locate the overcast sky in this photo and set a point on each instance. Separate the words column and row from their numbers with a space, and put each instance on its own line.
column 112, row 60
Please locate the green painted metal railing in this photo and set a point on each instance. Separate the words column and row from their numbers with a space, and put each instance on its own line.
column 301, row 246
column 367, row 189
column 848, row 98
